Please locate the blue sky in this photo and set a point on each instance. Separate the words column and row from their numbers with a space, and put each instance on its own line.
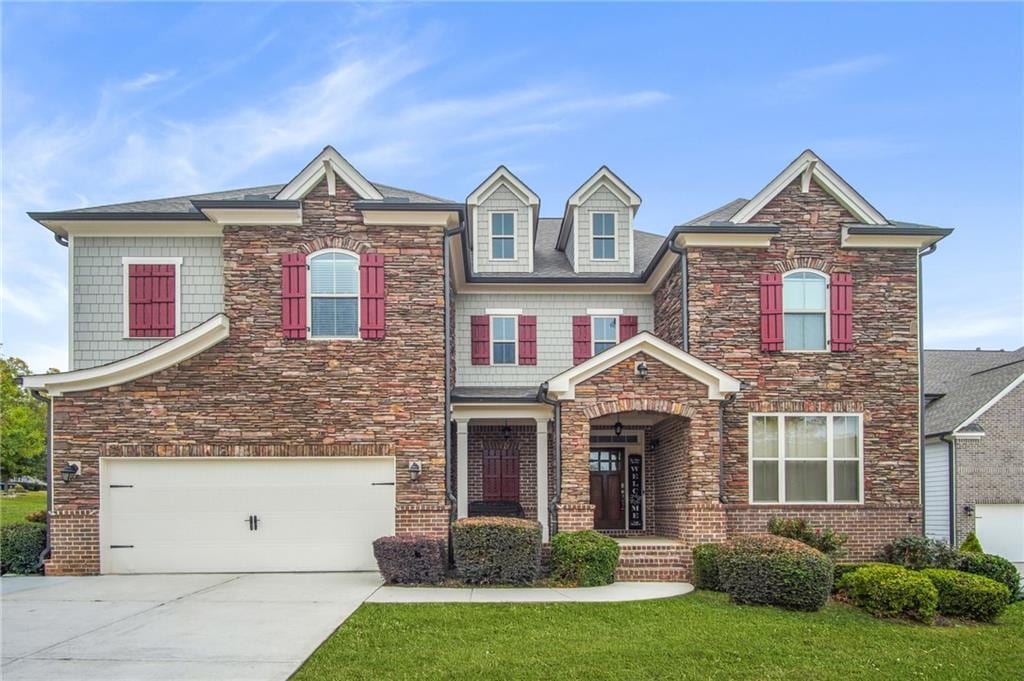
column 918, row 106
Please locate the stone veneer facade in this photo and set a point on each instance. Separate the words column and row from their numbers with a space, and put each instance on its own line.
column 256, row 394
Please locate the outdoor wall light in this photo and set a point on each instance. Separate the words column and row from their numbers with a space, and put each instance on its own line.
column 415, row 468
column 641, row 370
column 70, row 471
column 617, row 428
column 506, row 431
column 968, row 510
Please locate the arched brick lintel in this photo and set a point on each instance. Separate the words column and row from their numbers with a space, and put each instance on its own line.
column 342, row 242
column 625, row 404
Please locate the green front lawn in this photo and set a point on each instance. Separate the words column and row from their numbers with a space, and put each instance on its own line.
column 700, row 636
column 14, row 509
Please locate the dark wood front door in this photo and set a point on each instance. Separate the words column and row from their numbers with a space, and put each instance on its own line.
column 501, row 472
column 606, row 485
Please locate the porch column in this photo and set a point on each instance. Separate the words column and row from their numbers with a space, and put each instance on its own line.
column 542, row 476
column 462, row 467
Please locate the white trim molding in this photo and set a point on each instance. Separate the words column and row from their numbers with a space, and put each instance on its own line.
column 898, row 239
column 502, row 176
column 985, row 407
column 719, row 383
column 808, row 166
column 328, row 159
column 373, row 217
column 604, row 311
column 146, row 260
column 503, row 311
column 156, row 358
column 254, row 216
column 710, row 239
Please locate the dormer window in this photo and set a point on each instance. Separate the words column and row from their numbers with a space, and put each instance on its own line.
column 604, row 236
column 503, row 236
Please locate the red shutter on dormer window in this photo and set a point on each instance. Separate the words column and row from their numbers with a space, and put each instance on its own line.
column 627, row 327
column 293, row 295
column 842, row 311
column 771, row 312
column 371, row 293
column 151, row 301
column 480, row 337
column 527, row 339
column 580, row 339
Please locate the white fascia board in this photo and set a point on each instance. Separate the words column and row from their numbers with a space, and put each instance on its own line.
column 719, row 383
column 414, row 218
column 502, row 411
column 254, row 216
column 829, row 180
column 988, row 405
column 605, row 177
column 502, row 176
column 156, row 358
column 310, row 176
column 723, row 240
column 887, row 240
column 119, row 228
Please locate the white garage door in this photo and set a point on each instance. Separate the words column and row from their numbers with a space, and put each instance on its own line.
column 244, row 515
column 1000, row 529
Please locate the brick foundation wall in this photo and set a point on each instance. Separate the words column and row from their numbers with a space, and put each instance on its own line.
column 74, row 538
column 574, row 517
column 256, row 394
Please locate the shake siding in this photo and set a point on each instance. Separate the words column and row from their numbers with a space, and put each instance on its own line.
column 502, row 201
column 98, row 290
column 554, row 314
column 604, row 201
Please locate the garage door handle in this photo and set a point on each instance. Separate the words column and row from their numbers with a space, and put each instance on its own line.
column 383, row 483
column 254, row 522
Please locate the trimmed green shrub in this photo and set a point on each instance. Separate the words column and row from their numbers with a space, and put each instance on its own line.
column 20, row 547
column 411, row 560
column 585, row 558
column 826, row 540
column 496, row 550
column 763, row 568
column 705, row 566
column 962, row 594
column 843, row 569
column 993, row 567
column 971, row 544
column 35, row 517
column 917, row 552
column 891, row 591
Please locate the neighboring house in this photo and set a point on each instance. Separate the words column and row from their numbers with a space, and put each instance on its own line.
column 974, row 448
column 270, row 378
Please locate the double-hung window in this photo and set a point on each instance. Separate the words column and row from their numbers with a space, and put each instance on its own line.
column 805, row 458
column 805, row 310
column 503, row 340
column 503, row 236
column 605, row 333
column 334, row 295
column 604, row 236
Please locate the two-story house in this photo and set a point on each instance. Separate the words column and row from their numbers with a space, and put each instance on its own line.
column 270, row 378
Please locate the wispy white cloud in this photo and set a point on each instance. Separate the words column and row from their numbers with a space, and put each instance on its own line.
column 975, row 329
column 148, row 79
column 838, row 69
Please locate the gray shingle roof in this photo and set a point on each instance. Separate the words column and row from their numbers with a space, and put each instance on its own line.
column 183, row 204
column 720, row 214
column 965, row 380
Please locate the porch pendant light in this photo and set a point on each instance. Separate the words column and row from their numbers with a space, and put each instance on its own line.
column 506, row 431
column 617, row 428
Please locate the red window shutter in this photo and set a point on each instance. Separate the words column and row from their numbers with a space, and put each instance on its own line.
column 580, row 339
column 371, row 291
column 527, row 339
column 510, row 475
column 151, row 301
column 293, row 295
column 771, row 312
column 480, row 337
column 627, row 327
column 842, row 311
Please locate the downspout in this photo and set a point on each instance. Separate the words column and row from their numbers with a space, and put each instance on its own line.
column 453, row 501
column 684, row 297
column 542, row 395
column 920, row 377
column 49, row 477
column 62, row 240
column 721, row 445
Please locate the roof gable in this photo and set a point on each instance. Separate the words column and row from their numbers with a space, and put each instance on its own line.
column 503, row 177
column 330, row 164
column 604, row 177
column 809, row 166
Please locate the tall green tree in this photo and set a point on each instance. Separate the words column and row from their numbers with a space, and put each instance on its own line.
column 22, row 425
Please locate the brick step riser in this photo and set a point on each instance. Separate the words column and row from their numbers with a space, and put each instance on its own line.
column 650, row 575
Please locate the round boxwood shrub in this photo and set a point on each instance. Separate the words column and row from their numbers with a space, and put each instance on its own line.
column 20, row 547
column 993, row 567
column 843, row 569
column 962, row 594
column 585, row 558
column 705, row 566
column 411, row 560
column 496, row 550
column 763, row 568
column 891, row 591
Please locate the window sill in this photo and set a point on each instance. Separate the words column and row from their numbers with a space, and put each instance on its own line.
column 320, row 339
column 146, row 338
column 806, row 504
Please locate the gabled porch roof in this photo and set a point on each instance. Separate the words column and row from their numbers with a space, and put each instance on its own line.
column 719, row 383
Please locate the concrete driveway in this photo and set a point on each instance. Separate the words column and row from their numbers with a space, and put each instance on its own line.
column 249, row 627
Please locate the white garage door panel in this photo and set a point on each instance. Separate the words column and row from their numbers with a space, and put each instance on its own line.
column 190, row 515
column 1000, row 529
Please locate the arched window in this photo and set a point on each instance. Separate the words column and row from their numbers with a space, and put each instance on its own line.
column 334, row 294
column 805, row 310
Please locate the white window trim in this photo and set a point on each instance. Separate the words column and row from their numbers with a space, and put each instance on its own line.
column 491, row 237
column 154, row 260
column 829, row 459
column 358, row 295
column 593, row 336
column 827, row 311
column 614, row 237
column 514, row 341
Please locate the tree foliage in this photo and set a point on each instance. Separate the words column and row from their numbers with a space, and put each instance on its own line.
column 22, row 425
